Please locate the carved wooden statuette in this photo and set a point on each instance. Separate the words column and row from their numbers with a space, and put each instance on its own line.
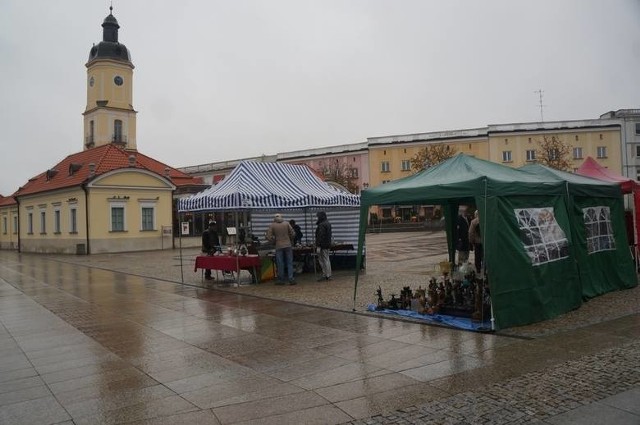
column 477, row 308
column 393, row 302
column 380, row 299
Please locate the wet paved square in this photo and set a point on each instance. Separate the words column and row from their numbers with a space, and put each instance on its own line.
column 95, row 346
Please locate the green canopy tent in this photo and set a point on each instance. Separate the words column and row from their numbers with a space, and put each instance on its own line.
column 600, row 240
column 526, row 225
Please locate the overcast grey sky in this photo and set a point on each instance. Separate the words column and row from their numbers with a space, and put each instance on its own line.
column 218, row 80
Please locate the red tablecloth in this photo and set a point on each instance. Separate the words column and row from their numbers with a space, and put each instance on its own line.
column 227, row 262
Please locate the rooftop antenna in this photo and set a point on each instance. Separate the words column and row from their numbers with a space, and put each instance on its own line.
column 540, row 104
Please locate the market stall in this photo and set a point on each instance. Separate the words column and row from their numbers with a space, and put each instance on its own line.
column 255, row 191
column 533, row 238
column 591, row 168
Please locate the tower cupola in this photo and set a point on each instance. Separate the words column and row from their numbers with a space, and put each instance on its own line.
column 109, row 116
column 109, row 47
column 110, row 27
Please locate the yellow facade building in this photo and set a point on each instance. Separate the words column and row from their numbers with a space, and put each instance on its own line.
column 512, row 145
column 8, row 223
column 109, row 197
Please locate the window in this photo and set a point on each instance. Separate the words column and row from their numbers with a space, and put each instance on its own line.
column 638, row 128
column 56, row 221
column 577, row 138
column 577, row 153
column 385, row 181
column 117, row 218
column 542, row 237
column 30, row 223
column 354, row 173
column 4, row 225
column 602, row 151
column 406, row 165
column 73, row 220
column 597, row 223
column 531, row 155
column 15, row 224
column 637, row 150
column 506, row 156
column 43, row 222
column 384, row 166
column 117, row 131
column 91, row 140
column 147, row 214
column 554, row 154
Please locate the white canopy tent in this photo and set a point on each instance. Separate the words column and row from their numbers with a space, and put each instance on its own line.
column 293, row 190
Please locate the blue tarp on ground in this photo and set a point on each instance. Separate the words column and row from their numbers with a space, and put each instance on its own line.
column 441, row 319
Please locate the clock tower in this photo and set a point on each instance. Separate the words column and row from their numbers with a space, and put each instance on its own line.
column 109, row 116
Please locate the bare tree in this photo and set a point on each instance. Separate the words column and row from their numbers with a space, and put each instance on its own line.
column 554, row 153
column 431, row 155
column 340, row 173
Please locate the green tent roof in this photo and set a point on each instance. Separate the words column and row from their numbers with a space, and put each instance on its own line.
column 578, row 185
column 462, row 177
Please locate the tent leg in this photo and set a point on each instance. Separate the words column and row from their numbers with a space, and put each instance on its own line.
column 180, row 240
column 493, row 319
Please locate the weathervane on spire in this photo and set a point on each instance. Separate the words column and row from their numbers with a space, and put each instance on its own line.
column 111, row 7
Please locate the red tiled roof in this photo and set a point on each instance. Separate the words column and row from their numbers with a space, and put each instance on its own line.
column 74, row 169
column 6, row 201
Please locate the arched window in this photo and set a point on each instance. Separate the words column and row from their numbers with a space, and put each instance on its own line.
column 117, row 131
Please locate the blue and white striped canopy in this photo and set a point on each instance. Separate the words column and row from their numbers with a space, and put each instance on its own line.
column 271, row 185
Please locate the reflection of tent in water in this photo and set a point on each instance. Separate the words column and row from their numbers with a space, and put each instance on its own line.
column 539, row 259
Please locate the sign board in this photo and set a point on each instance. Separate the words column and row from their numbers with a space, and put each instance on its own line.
column 167, row 230
column 184, row 228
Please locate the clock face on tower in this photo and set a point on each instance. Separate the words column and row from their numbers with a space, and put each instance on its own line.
column 118, row 80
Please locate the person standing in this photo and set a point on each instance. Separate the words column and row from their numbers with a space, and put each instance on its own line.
column 297, row 239
column 281, row 234
column 462, row 236
column 476, row 240
column 323, row 241
column 210, row 244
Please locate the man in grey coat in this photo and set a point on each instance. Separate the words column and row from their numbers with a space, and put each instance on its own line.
column 281, row 234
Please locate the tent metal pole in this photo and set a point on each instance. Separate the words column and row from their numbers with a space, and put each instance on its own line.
column 483, row 271
column 235, row 244
column 180, row 245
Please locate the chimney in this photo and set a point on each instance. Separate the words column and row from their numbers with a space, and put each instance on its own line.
column 167, row 171
column 92, row 169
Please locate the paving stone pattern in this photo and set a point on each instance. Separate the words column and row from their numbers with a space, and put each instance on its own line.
column 531, row 398
column 119, row 338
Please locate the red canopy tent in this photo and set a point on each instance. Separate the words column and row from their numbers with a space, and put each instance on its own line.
column 591, row 168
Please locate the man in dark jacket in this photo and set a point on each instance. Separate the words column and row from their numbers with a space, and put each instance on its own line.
column 210, row 244
column 323, row 241
column 462, row 236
